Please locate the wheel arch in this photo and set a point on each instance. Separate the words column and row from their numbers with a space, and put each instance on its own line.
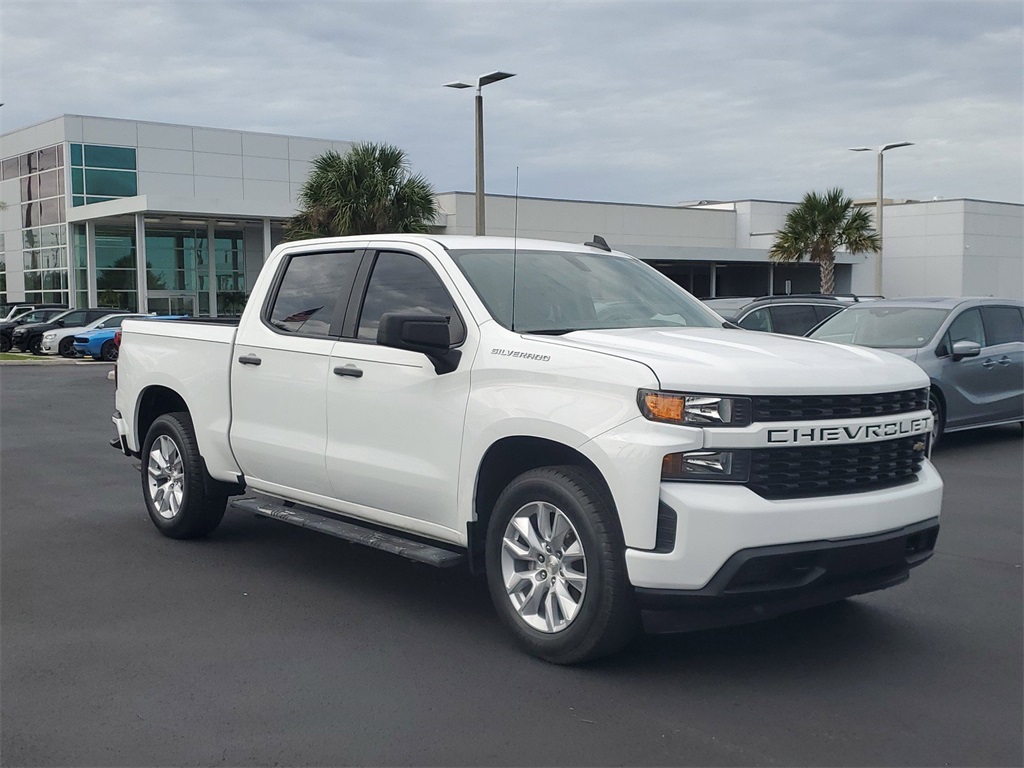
column 154, row 401
column 505, row 460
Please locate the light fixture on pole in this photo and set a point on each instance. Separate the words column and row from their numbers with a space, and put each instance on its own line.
column 493, row 77
column 879, row 202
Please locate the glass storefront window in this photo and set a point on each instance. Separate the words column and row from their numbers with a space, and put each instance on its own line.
column 109, row 157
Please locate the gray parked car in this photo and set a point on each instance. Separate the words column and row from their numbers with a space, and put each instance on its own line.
column 972, row 348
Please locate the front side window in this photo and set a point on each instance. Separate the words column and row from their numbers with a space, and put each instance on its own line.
column 310, row 290
column 967, row 327
column 401, row 282
column 758, row 320
column 793, row 319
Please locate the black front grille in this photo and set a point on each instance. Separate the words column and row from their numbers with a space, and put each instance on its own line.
column 812, row 407
column 786, row 473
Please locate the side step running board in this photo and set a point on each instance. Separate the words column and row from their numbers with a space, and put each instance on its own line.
column 394, row 543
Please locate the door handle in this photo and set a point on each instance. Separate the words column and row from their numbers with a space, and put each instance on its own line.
column 249, row 360
column 1004, row 360
column 987, row 363
column 348, row 370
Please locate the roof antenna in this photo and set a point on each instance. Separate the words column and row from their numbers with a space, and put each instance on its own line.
column 515, row 250
column 599, row 242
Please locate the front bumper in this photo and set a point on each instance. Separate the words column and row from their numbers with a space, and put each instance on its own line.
column 764, row 582
column 714, row 522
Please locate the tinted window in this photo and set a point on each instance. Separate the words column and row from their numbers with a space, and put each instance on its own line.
column 77, row 318
column 758, row 320
column 821, row 312
column 400, row 282
column 1003, row 324
column 310, row 289
column 967, row 327
column 794, row 319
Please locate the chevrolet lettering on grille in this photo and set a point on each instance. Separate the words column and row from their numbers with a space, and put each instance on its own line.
column 854, row 433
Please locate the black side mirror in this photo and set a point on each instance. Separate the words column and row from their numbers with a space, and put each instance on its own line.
column 962, row 349
column 428, row 334
column 59, row 322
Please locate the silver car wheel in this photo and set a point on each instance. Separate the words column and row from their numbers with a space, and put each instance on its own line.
column 543, row 567
column 166, row 478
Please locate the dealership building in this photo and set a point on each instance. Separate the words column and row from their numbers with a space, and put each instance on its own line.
column 180, row 219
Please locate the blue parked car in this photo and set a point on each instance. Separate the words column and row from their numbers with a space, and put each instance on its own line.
column 99, row 343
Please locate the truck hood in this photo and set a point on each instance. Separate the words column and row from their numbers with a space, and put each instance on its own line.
column 726, row 361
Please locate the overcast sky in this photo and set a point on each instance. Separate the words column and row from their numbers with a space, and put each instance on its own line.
column 626, row 101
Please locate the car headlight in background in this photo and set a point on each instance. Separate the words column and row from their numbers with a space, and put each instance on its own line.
column 694, row 410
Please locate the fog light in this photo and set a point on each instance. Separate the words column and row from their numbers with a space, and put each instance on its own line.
column 707, row 466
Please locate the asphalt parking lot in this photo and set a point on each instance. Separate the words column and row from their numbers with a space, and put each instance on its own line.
column 269, row 645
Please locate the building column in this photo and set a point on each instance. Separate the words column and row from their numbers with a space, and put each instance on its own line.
column 714, row 279
column 771, row 279
column 212, row 266
column 267, row 248
column 90, row 263
column 142, row 277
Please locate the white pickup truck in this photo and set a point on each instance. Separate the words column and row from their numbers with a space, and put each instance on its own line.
column 564, row 418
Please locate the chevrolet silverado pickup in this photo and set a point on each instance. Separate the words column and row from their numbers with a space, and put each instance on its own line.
column 605, row 449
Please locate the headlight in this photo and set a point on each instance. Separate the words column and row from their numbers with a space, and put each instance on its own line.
column 707, row 466
column 49, row 336
column 694, row 410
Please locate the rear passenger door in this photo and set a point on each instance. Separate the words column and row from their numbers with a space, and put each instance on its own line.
column 280, row 370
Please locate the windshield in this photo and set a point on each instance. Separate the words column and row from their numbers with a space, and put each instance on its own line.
column 882, row 327
column 561, row 291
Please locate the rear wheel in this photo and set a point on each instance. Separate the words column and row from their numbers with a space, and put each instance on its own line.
column 5, row 343
column 938, row 418
column 174, row 480
column 35, row 346
column 66, row 347
column 556, row 568
column 109, row 351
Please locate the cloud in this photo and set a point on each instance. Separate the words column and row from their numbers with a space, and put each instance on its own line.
column 651, row 102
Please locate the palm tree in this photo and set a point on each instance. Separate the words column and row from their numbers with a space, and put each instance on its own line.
column 819, row 225
column 368, row 190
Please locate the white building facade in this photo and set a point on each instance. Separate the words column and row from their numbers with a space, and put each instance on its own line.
column 179, row 219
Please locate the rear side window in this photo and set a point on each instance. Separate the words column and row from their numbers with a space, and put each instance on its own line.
column 311, row 288
column 401, row 282
column 796, row 319
column 1003, row 325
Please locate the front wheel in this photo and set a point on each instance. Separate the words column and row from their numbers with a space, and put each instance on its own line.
column 5, row 343
column 108, row 352
column 35, row 346
column 174, row 480
column 556, row 568
column 66, row 347
column 938, row 418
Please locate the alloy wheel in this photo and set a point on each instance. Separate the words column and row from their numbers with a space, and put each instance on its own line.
column 543, row 567
column 166, row 477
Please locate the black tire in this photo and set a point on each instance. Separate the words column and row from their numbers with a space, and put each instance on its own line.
column 5, row 343
column 66, row 347
column 35, row 345
column 939, row 416
column 197, row 511
column 606, row 618
column 108, row 351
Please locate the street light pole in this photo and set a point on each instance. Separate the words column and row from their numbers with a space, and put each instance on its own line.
column 493, row 77
column 879, row 202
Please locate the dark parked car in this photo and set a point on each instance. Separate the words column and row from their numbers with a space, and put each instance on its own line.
column 32, row 316
column 29, row 337
column 971, row 348
column 794, row 315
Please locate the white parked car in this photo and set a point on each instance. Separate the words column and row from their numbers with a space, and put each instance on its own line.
column 61, row 341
